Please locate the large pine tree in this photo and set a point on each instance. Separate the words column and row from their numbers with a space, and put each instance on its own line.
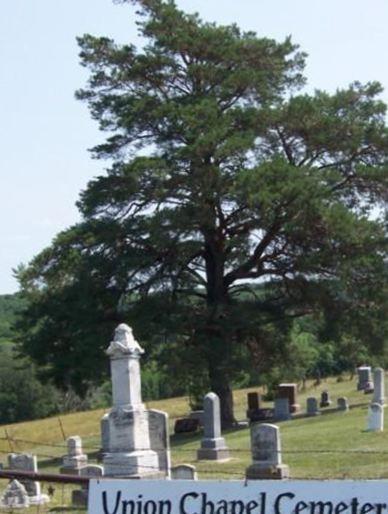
column 233, row 202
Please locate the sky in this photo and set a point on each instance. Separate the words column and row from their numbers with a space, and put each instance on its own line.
column 45, row 133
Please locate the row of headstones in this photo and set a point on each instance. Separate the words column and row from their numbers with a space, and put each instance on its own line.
column 266, row 463
column 24, row 492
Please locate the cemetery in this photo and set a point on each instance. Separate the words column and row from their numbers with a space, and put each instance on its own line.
column 138, row 441
column 208, row 334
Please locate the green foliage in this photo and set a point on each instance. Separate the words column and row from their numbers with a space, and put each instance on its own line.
column 10, row 307
column 223, row 175
column 22, row 396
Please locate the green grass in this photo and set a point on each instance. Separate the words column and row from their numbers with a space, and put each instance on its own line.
column 333, row 445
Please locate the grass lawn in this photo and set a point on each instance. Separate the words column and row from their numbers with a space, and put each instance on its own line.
column 333, row 445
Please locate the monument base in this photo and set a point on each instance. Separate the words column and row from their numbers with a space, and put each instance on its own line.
column 213, row 454
column 275, row 472
column 134, row 464
column 40, row 499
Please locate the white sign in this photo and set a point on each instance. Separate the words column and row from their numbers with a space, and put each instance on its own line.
column 238, row 497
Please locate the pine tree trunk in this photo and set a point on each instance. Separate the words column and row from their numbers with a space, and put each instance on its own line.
column 220, row 385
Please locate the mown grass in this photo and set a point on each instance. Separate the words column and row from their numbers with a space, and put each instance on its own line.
column 332, row 445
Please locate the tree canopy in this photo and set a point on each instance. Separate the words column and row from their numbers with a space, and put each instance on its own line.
column 233, row 202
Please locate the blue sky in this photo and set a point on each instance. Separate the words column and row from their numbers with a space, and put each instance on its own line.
column 45, row 132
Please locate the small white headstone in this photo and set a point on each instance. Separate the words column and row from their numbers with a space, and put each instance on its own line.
column 282, row 409
column 312, row 407
column 184, row 472
column 75, row 458
column 343, row 404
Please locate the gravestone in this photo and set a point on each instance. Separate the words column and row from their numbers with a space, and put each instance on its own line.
column 375, row 418
column 197, row 414
column 312, row 407
column 160, row 439
column 75, row 458
column 342, row 404
column 364, row 374
column 266, row 453
column 378, row 380
column 213, row 446
column 254, row 404
column 186, row 425
column 184, row 472
column 28, row 462
column 128, row 431
column 289, row 391
column 281, row 409
column 325, row 399
column 79, row 497
column 15, row 496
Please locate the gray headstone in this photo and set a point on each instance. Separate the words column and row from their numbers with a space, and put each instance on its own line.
column 184, row 472
column 159, row 438
column 379, row 386
column 15, row 496
column 342, row 404
column 28, row 462
column 282, row 409
column 74, row 446
column 266, row 453
column 75, row 458
column 364, row 378
column 213, row 446
column 375, row 418
column 312, row 407
column 212, row 416
column 325, row 399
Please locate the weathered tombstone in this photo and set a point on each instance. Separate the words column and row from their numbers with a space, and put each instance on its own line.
column 325, row 399
column 375, row 418
column 27, row 462
column 79, row 497
column 281, row 409
column 128, row 442
column 266, row 453
column 378, row 380
column 342, row 404
column 213, row 446
column 364, row 378
column 312, row 407
column 159, row 439
column 15, row 496
column 186, row 425
column 289, row 391
column 75, row 458
column 184, row 472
